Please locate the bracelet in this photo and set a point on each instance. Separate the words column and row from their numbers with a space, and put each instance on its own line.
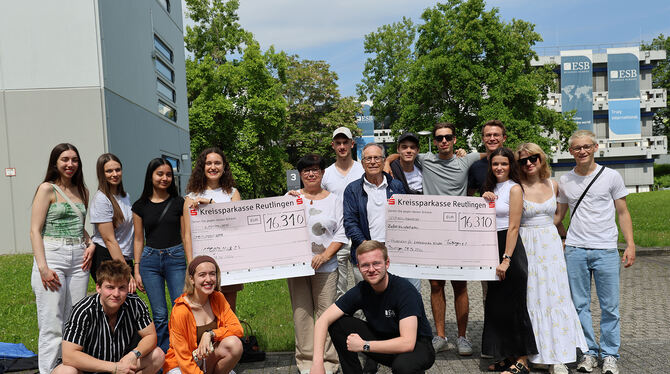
column 136, row 264
column 210, row 201
column 563, row 237
column 115, row 369
column 211, row 334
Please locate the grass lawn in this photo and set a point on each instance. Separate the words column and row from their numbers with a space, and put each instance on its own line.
column 266, row 305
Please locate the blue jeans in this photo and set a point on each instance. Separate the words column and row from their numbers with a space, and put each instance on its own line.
column 604, row 266
column 157, row 267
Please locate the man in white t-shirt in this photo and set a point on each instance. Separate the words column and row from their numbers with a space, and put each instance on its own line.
column 591, row 246
column 335, row 179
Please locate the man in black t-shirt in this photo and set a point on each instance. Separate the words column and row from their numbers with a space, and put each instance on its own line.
column 396, row 332
column 493, row 137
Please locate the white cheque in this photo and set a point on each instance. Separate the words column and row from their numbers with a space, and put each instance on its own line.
column 253, row 240
column 442, row 237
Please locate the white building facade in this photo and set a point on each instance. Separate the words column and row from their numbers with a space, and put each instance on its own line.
column 104, row 75
column 612, row 94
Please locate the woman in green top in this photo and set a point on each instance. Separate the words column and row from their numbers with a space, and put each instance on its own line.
column 62, row 248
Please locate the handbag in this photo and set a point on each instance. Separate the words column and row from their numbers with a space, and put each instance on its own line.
column 251, row 352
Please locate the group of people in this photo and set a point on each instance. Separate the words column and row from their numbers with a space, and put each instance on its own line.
column 144, row 246
column 538, row 312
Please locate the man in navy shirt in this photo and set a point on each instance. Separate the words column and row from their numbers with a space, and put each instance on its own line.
column 396, row 332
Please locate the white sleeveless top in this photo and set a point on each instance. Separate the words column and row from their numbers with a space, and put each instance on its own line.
column 502, row 204
column 218, row 195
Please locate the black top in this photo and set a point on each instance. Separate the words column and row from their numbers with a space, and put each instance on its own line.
column 167, row 233
column 88, row 327
column 385, row 310
column 477, row 175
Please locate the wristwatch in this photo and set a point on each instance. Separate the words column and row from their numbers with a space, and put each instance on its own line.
column 137, row 353
column 506, row 256
column 366, row 347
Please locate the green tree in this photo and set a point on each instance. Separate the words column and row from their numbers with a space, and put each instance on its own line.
column 235, row 103
column 385, row 74
column 315, row 108
column 661, row 74
column 469, row 66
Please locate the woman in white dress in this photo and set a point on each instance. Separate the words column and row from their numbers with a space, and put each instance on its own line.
column 211, row 182
column 555, row 322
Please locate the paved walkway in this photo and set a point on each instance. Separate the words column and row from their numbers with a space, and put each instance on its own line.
column 645, row 324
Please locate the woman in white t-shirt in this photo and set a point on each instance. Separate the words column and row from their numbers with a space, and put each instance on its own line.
column 312, row 295
column 211, row 182
column 112, row 216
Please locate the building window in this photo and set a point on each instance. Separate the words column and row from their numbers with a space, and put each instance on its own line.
column 167, row 97
column 163, row 49
column 165, row 4
column 165, row 90
column 166, row 110
column 164, row 70
column 174, row 162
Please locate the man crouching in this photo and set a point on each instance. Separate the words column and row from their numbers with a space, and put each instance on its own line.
column 110, row 331
column 396, row 333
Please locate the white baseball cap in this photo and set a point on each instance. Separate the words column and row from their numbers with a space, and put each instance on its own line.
column 342, row 131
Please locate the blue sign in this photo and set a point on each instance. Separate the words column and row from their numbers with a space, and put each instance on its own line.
column 360, row 143
column 577, row 86
column 366, row 122
column 623, row 73
column 623, row 82
column 624, row 118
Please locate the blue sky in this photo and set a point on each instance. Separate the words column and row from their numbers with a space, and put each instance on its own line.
column 333, row 30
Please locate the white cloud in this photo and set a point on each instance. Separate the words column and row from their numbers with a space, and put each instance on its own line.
column 297, row 24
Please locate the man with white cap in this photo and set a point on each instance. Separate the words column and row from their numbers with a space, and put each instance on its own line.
column 335, row 179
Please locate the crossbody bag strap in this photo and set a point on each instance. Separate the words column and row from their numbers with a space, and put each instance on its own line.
column 165, row 209
column 585, row 191
column 76, row 209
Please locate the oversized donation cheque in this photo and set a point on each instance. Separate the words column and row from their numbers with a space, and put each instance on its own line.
column 442, row 237
column 253, row 240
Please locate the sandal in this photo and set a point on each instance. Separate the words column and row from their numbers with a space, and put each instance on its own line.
column 517, row 368
column 501, row 365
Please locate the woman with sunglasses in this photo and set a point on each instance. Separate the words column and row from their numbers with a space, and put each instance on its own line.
column 312, row 295
column 211, row 182
column 157, row 216
column 508, row 333
column 555, row 321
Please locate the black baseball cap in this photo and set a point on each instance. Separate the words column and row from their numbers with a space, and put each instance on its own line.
column 408, row 136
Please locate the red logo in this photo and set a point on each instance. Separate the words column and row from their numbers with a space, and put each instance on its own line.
column 492, row 204
column 299, row 200
column 391, row 201
column 194, row 212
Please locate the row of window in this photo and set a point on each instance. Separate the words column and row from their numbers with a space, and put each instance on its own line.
column 163, row 64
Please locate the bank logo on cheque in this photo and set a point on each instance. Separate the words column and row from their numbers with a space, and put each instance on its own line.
column 194, row 212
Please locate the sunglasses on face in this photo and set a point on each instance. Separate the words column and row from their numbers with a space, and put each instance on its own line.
column 533, row 159
column 448, row 137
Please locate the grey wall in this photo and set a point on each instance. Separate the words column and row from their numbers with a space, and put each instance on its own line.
column 35, row 121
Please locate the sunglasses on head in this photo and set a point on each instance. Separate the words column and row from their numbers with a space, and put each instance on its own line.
column 439, row 138
column 533, row 159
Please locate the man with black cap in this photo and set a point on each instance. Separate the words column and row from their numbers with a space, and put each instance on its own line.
column 404, row 168
column 335, row 179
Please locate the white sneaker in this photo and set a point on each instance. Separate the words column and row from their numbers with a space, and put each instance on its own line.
column 587, row 363
column 439, row 343
column 610, row 366
column 558, row 369
column 464, row 346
